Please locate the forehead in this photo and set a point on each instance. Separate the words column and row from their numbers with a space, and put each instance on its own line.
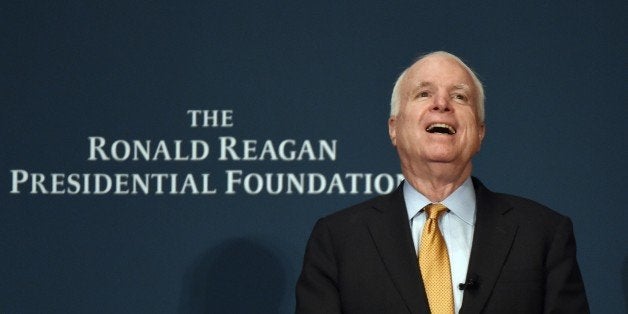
column 438, row 70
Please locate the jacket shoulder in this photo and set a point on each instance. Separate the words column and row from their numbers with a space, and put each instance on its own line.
column 358, row 213
column 523, row 208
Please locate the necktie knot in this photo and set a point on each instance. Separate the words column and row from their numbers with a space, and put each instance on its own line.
column 434, row 210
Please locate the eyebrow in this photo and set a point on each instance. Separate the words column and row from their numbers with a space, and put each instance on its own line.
column 419, row 86
column 423, row 84
column 427, row 84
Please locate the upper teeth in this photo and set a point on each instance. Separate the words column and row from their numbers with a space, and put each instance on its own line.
column 434, row 127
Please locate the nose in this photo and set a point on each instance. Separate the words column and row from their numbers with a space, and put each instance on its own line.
column 441, row 103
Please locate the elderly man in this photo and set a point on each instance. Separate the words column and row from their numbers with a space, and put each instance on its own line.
column 442, row 242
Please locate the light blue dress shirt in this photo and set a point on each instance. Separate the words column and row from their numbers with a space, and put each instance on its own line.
column 456, row 225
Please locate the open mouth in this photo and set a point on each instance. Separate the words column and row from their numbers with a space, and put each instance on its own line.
column 441, row 128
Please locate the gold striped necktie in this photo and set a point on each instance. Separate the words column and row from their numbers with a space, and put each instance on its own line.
column 434, row 263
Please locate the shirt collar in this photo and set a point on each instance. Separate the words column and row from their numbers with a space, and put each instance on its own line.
column 461, row 202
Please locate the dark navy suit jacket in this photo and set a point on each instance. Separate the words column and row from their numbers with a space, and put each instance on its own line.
column 362, row 260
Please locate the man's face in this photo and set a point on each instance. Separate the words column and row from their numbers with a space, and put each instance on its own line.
column 437, row 119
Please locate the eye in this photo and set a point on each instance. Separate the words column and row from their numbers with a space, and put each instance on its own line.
column 423, row 94
column 460, row 97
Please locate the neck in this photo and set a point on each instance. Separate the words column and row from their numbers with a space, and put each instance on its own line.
column 436, row 181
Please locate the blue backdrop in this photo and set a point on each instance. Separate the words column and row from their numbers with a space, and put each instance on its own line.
column 554, row 71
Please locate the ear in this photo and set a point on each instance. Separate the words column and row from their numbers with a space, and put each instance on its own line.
column 481, row 133
column 482, row 127
column 392, row 130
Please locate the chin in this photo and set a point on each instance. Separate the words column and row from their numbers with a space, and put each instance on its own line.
column 444, row 155
column 444, row 158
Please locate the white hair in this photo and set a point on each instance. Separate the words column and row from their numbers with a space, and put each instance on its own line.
column 395, row 99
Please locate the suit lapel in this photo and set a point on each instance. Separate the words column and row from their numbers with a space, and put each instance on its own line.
column 492, row 240
column 390, row 230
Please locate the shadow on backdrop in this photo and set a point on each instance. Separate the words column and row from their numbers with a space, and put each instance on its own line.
column 238, row 276
column 624, row 280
